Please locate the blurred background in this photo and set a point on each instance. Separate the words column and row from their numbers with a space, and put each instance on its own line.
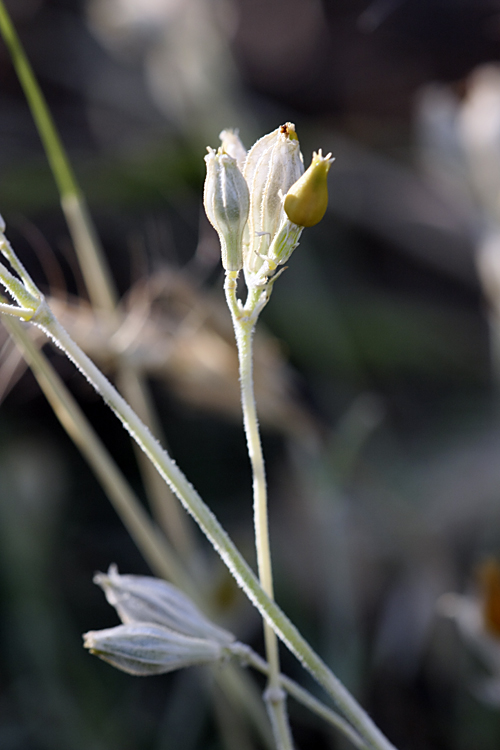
column 378, row 359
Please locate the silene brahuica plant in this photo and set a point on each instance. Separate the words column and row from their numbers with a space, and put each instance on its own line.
column 259, row 202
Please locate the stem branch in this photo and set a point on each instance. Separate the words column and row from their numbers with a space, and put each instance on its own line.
column 214, row 532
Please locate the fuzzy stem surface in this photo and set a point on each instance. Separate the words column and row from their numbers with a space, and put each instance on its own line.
column 244, row 320
column 214, row 532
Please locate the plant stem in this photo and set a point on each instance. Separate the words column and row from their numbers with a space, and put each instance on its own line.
column 91, row 258
column 244, row 326
column 214, row 532
column 163, row 504
column 87, row 246
column 153, row 546
column 249, row 657
column 150, row 541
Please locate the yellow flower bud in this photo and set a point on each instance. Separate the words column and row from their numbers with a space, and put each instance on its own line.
column 306, row 201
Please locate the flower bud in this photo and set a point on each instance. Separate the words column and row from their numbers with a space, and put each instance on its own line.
column 143, row 649
column 232, row 145
column 283, row 245
column 306, row 201
column 272, row 166
column 226, row 203
column 152, row 600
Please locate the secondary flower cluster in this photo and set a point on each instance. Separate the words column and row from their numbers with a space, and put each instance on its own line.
column 260, row 201
column 162, row 629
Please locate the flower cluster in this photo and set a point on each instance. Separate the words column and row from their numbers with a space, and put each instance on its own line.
column 260, row 201
column 162, row 629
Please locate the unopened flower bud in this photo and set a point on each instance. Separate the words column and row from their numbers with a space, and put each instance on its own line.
column 152, row 600
column 226, row 203
column 143, row 649
column 306, row 201
column 231, row 144
column 283, row 245
column 272, row 166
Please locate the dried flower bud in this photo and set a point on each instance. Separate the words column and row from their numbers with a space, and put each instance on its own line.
column 272, row 166
column 306, row 201
column 143, row 649
column 226, row 203
column 151, row 600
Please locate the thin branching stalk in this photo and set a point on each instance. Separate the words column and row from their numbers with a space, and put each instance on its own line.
column 250, row 657
column 100, row 290
column 27, row 295
column 163, row 504
column 152, row 544
column 244, row 326
column 103, row 295
column 90, row 255
column 150, row 541
column 221, row 542
column 92, row 261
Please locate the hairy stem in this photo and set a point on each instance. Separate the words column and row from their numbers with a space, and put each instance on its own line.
column 91, row 258
column 250, row 657
column 87, row 246
column 152, row 544
column 214, row 532
column 244, row 326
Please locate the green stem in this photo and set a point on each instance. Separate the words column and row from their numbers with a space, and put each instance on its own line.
column 214, row 532
column 244, row 328
column 90, row 256
column 19, row 312
column 95, row 270
column 149, row 540
column 153, row 546
column 250, row 657
column 163, row 504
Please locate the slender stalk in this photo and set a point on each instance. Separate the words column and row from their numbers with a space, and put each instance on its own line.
column 90, row 255
column 151, row 543
column 153, row 546
column 243, row 693
column 274, row 696
column 18, row 312
column 250, row 657
column 214, row 532
column 91, row 258
column 42, row 316
column 163, row 504
column 102, row 294
column 244, row 320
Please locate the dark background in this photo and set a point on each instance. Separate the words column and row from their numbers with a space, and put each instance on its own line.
column 383, row 443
